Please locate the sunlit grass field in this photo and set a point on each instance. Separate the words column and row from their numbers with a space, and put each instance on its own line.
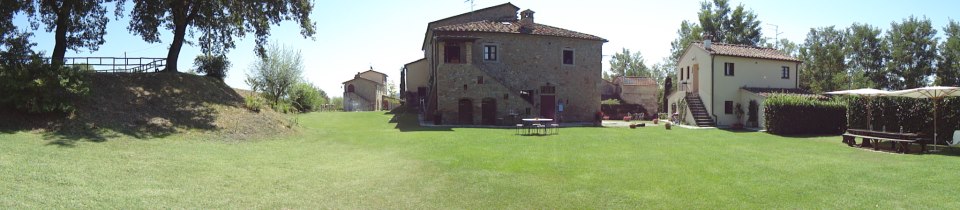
column 369, row 161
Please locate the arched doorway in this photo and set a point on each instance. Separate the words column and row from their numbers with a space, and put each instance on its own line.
column 488, row 111
column 465, row 111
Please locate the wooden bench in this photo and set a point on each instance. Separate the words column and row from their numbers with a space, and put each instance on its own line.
column 900, row 142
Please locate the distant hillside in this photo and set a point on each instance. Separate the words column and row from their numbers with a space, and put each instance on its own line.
column 156, row 105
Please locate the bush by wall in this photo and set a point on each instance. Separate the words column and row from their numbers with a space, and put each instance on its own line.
column 896, row 114
column 798, row 115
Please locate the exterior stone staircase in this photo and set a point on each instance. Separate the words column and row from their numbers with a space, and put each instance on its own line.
column 699, row 111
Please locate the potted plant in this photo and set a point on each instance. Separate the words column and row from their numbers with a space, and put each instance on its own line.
column 633, row 126
column 667, row 125
column 656, row 121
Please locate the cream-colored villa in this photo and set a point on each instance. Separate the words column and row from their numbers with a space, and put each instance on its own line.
column 365, row 92
column 715, row 79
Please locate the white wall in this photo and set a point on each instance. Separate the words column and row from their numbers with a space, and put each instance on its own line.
column 748, row 72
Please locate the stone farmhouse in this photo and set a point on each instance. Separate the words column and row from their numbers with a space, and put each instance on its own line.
column 489, row 67
column 719, row 81
column 633, row 90
column 365, row 92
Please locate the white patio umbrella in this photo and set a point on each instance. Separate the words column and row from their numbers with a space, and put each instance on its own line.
column 937, row 93
column 867, row 92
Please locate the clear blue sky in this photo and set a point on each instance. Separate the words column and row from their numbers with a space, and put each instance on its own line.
column 354, row 35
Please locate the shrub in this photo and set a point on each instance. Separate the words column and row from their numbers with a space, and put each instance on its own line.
column 212, row 66
column 792, row 115
column 30, row 84
column 610, row 102
column 254, row 103
column 305, row 97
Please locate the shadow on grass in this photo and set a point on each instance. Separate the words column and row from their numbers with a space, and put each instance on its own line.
column 142, row 106
column 407, row 122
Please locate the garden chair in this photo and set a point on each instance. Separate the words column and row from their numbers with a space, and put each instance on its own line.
column 956, row 139
column 556, row 128
column 519, row 128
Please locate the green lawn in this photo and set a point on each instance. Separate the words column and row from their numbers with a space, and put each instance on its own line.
column 360, row 160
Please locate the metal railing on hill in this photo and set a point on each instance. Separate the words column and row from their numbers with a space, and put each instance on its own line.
column 118, row 65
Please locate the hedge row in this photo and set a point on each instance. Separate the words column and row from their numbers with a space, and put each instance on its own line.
column 798, row 115
column 899, row 114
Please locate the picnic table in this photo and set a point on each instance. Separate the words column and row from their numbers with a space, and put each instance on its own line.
column 536, row 123
column 899, row 142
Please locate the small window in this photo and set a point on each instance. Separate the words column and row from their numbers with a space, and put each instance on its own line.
column 681, row 73
column 350, row 88
column 479, row 79
column 688, row 72
column 528, row 111
column 785, row 72
column 728, row 107
column 464, row 87
column 728, row 69
column 568, row 57
column 489, row 52
column 506, row 96
column 451, row 53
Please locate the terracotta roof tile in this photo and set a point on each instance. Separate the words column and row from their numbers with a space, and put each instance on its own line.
column 746, row 51
column 514, row 27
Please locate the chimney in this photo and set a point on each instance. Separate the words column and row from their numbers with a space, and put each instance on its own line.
column 526, row 21
column 707, row 41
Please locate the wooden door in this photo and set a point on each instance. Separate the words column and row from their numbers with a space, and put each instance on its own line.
column 465, row 111
column 696, row 78
column 547, row 105
column 488, row 111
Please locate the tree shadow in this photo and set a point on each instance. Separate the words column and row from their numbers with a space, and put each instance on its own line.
column 142, row 106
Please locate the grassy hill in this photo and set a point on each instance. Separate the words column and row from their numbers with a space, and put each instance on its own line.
column 151, row 106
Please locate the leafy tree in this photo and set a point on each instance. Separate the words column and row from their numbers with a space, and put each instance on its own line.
column 736, row 26
column 785, row 46
column 75, row 24
column 726, row 25
column 275, row 74
column 948, row 67
column 866, row 52
column 305, row 97
column 216, row 22
column 688, row 33
column 215, row 66
column 913, row 49
column 824, row 67
column 8, row 11
column 625, row 63
column 392, row 89
column 337, row 102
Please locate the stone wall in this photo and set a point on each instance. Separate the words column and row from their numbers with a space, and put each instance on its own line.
column 526, row 62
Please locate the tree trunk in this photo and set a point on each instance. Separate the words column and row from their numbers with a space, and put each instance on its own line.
column 178, row 35
column 60, row 36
